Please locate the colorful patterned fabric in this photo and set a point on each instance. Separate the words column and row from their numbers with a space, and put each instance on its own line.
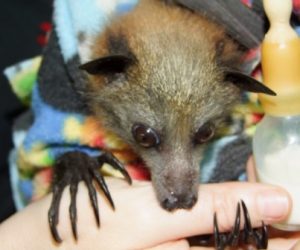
column 55, row 132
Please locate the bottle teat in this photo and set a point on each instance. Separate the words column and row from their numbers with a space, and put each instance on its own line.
column 278, row 10
column 281, row 61
column 279, row 14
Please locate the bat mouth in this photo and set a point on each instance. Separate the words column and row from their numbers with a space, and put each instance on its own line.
column 179, row 201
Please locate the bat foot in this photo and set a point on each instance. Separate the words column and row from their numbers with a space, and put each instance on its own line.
column 257, row 237
column 70, row 169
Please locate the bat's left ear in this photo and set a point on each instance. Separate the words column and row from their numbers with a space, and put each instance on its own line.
column 247, row 83
column 108, row 65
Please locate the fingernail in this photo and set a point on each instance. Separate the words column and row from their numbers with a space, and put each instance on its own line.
column 273, row 204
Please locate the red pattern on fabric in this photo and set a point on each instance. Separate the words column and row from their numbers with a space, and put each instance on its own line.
column 42, row 39
column 296, row 6
column 99, row 143
column 246, row 2
column 256, row 117
column 138, row 172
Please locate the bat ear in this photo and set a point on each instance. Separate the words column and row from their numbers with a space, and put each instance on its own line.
column 247, row 83
column 108, row 65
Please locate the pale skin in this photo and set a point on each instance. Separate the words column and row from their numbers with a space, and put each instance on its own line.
column 139, row 223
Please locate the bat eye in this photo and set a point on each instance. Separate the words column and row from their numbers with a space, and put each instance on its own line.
column 145, row 136
column 205, row 133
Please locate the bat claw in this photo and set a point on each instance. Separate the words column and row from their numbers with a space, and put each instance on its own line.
column 72, row 208
column 262, row 237
column 102, row 184
column 93, row 197
column 109, row 158
column 54, row 212
column 219, row 239
column 265, row 236
column 233, row 237
column 259, row 236
column 227, row 239
column 53, row 227
column 70, row 169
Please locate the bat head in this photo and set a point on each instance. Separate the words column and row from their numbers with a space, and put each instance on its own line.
column 164, row 80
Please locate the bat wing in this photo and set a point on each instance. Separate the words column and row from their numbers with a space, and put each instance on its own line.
column 241, row 23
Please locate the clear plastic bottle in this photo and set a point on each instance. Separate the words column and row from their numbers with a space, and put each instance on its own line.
column 276, row 147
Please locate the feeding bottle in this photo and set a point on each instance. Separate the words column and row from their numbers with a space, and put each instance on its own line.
column 276, row 143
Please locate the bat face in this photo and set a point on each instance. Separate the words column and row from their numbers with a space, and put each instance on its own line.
column 167, row 118
column 168, row 125
column 158, row 80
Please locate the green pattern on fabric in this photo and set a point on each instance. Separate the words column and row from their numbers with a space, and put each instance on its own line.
column 23, row 77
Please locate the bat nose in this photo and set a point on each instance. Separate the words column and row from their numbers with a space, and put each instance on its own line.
column 176, row 201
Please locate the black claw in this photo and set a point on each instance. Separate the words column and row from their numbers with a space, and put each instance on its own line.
column 248, row 230
column 73, row 209
column 260, row 238
column 93, row 198
column 107, row 157
column 54, row 213
column 233, row 237
column 216, row 231
column 101, row 182
column 263, row 242
column 220, row 239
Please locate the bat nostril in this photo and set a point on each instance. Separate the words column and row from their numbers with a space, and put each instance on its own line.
column 170, row 203
column 191, row 201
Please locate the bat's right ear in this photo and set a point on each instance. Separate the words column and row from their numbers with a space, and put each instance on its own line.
column 108, row 65
column 247, row 83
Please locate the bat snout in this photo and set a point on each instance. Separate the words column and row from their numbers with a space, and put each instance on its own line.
column 177, row 188
column 179, row 201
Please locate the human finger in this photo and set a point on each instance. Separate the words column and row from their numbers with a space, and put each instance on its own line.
column 265, row 203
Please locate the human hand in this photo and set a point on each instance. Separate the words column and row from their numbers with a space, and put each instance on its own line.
column 138, row 221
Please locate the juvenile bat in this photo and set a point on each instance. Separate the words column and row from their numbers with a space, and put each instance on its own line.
column 163, row 79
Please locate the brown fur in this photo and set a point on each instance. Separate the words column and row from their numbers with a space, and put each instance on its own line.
column 175, row 86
